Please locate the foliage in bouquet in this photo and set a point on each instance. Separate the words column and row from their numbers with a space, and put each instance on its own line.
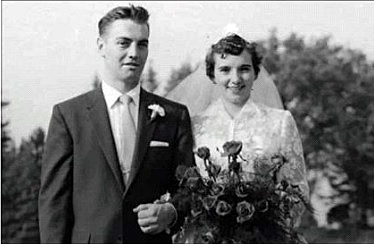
column 233, row 206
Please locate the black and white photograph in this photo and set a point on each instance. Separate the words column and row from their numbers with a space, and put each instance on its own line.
column 187, row 122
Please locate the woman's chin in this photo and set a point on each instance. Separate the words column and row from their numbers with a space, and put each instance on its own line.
column 237, row 98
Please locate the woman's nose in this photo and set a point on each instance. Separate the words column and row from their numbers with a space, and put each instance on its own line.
column 235, row 77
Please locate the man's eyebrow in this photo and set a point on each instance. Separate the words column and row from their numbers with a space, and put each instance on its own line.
column 122, row 38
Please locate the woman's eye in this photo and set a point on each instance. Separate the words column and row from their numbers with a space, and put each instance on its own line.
column 224, row 70
column 245, row 69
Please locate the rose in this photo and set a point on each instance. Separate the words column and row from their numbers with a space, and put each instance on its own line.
column 262, row 206
column 209, row 202
column 180, row 172
column 277, row 159
column 217, row 189
column 245, row 211
column 242, row 190
column 194, row 183
column 192, row 172
column 203, row 153
column 196, row 206
column 157, row 110
column 223, row 208
column 206, row 238
column 232, row 148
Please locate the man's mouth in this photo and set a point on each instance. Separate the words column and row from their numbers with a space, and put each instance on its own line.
column 131, row 64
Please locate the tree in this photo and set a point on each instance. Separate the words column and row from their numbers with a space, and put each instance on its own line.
column 96, row 81
column 5, row 138
column 20, row 188
column 176, row 76
column 149, row 81
column 329, row 90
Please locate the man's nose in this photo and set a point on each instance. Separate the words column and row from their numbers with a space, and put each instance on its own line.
column 133, row 51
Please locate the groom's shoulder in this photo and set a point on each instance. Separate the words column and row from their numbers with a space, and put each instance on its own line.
column 169, row 104
column 79, row 100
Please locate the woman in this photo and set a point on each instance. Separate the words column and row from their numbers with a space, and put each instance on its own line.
column 233, row 65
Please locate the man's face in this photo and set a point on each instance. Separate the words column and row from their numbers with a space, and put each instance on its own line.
column 124, row 48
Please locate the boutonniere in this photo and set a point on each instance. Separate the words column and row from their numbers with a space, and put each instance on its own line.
column 157, row 110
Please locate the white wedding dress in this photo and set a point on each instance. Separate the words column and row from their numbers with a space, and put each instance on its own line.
column 264, row 131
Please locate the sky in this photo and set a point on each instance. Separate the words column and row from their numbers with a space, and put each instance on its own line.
column 49, row 51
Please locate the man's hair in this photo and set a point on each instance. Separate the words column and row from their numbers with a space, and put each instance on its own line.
column 234, row 45
column 138, row 14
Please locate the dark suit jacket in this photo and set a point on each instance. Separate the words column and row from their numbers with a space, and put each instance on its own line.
column 82, row 197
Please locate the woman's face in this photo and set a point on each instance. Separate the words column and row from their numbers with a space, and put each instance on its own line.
column 235, row 74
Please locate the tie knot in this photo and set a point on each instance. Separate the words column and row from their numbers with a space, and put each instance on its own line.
column 125, row 99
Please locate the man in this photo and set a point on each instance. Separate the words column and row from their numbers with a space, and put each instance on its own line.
column 112, row 152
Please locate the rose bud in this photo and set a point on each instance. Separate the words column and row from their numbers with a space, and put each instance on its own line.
column 277, row 159
column 245, row 211
column 232, row 148
column 213, row 170
column 223, row 208
column 203, row 152
column 262, row 206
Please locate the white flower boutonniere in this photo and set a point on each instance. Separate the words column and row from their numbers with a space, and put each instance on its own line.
column 157, row 110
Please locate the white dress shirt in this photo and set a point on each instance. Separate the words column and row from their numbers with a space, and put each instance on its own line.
column 115, row 111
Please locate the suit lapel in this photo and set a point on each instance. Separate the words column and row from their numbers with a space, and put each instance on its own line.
column 146, row 128
column 99, row 116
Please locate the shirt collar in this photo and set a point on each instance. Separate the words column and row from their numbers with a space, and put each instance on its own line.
column 111, row 94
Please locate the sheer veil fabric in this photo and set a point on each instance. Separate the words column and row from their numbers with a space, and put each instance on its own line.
column 197, row 91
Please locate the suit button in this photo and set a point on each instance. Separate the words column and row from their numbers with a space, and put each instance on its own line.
column 119, row 239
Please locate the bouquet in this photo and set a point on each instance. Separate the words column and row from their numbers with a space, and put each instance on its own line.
column 232, row 206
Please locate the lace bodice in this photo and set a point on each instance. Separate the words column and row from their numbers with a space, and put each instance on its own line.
column 263, row 131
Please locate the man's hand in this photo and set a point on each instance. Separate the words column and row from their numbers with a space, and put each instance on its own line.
column 154, row 218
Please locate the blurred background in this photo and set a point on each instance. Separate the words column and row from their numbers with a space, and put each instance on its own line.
column 319, row 54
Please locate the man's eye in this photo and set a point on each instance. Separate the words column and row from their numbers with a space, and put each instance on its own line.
column 143, row 45
column 124, row 43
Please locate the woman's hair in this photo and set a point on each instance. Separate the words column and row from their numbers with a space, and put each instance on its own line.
column 138, row 14
column 234, row 45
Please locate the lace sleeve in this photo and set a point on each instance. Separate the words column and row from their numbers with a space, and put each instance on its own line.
column 294, row 171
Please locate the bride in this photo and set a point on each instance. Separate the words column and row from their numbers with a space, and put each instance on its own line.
column 233, row 65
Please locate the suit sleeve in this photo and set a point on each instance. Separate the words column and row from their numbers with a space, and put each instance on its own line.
column 55, row 196
column 294, row 171
column 184, row 156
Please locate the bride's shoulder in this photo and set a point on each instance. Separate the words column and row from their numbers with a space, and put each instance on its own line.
column 274, row 113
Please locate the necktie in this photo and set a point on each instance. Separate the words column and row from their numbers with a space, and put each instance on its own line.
column 127, row 138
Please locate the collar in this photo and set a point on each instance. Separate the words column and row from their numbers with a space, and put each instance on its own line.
column 248, row 110
column 111, row 94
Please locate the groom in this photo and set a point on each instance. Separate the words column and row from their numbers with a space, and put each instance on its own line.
column 112, row 152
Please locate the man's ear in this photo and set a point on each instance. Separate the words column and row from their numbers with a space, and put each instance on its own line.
column 100, row 46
